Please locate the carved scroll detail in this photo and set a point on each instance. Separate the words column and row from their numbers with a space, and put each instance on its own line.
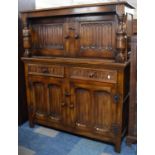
column 121, row 35
column 26, row 40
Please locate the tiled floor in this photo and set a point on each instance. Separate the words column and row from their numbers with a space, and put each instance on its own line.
column 45, row 141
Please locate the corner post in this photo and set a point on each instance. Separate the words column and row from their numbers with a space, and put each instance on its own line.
column 121, row 35
column 26, row 37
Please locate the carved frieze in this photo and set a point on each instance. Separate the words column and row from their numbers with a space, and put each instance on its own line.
column 49, row 70
column 93, row 74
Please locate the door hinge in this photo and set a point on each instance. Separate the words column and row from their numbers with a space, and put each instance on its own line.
column 116, row 98
column 115, row 128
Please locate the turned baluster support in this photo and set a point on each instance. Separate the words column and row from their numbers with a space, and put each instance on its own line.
column 121, row 36
column 26, row 39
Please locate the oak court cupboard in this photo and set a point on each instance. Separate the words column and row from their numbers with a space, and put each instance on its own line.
column 77, row 68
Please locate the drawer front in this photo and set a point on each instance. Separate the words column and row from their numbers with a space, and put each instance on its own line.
column 101, row 75
column 47, row 70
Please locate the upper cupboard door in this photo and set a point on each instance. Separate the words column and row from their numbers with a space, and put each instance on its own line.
column 97, row 37
column 48, row 37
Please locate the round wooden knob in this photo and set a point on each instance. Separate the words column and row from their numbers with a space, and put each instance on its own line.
column 63, row 104
column 67, row 37
column 76, row 36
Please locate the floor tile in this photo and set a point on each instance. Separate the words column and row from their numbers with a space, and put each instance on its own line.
column 45, row 141
column 88, row 147
column 25, row 151
column 46, row 131
column 105, row 154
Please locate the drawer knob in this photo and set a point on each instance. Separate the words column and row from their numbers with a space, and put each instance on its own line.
column 91, row 75
column 45, row 70
column 109, row 77
column 67, row 94
column 67, row 37
column 76, row 36
column 63, row 104
column 71, row 106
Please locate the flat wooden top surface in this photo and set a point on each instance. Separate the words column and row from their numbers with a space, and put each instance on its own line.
column 80, row 6
column 84, row 61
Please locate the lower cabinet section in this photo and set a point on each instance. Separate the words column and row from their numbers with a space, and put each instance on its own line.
column 86, row 107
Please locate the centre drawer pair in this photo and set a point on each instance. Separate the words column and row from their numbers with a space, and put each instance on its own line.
column 83, row 73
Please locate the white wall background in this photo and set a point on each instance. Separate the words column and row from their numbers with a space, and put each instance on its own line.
column 56, row 3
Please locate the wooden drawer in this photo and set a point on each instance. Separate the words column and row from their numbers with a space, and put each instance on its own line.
column 101, row 75
column 47, row 70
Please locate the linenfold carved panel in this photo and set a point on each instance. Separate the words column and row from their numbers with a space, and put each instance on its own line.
column 48, row 36
column 54, row 95
column 102, row 112
column 84, row 107
column 96, row 36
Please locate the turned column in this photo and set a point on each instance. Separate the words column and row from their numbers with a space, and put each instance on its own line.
column 26, row 39
column 121, row 35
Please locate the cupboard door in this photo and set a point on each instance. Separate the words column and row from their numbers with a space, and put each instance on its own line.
column 48, row 39
column 94, row 107
column 37, row 93
column 97, row 39
column 103, row 110
column 56, row 102
column 47, row 98
column 82, row 100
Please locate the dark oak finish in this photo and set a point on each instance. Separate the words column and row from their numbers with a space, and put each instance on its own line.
column 22, row 104
column 132, row 129
column 77, row 68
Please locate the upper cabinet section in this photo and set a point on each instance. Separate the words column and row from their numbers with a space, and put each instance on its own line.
column 89, row 31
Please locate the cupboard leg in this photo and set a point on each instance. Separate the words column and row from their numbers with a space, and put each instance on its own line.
column 118, row 146
column 128, row 142
column 31, row 124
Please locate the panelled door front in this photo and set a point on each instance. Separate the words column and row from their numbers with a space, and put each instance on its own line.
column 47, row 98
column 96, row 36
column 94, row 108
column 48, row 37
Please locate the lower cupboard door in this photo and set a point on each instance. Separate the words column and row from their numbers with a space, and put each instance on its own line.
column 47, row 99
column 94, row 108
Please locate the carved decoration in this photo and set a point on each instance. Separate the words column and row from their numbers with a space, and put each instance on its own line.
column 121, row 38
column 50, row 70
column 26, row 40
column 96, row 36
column 98, row 75
column 48, row 36
column 83, row 117
column 54, row 97
column 103, row 112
